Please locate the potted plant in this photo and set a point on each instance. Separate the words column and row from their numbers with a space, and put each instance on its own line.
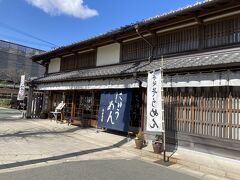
column 157, row 144
column 139, row 140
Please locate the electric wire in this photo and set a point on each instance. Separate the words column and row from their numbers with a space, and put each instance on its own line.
column 25, row 41
column 6, row 26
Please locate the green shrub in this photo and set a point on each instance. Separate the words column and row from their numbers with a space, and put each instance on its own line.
column 5, row 102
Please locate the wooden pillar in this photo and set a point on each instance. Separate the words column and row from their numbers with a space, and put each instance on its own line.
column 230, row 113
column 201, row 112
column 29, row 101
column 225, row 121
column 144, row 106
column 73, row 104
column 237, row 98
column 192, row 112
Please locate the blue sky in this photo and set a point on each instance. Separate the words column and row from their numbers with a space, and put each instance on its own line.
column 62, row 22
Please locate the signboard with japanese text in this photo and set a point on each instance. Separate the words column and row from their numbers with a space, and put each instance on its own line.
column 155, row 122
column 114, row 110
column 21, row 92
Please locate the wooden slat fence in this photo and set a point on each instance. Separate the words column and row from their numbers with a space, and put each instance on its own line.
column 211, row 111
column 37, row 104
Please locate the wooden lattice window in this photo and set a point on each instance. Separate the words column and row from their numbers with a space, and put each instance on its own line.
column 222, row 32
column 68, row 105
column 87, row 105
column 136, row 50
column 87, row 59
column 210, row 111
column 177, row 41
column 67, row 63
column 78, row 61
column 186, row 39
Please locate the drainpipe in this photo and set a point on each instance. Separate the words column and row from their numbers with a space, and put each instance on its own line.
column 152, row 47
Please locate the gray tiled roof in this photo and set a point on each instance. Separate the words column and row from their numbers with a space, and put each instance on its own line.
column 140, row 22
column 200, row 60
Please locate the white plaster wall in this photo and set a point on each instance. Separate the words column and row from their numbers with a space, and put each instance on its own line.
column 109, row 54
column 54, row 65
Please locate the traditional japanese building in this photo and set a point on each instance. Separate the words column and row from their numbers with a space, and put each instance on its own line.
column 200, row 47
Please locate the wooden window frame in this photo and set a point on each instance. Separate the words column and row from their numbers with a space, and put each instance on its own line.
column 64, row 66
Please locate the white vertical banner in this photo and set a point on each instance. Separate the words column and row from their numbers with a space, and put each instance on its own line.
column 155, row 121
column 21, row 92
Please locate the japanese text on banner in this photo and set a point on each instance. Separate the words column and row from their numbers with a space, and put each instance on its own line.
column 154, row 102
column 21, row 92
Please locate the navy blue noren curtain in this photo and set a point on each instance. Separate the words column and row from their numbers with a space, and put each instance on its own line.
column 114, row 109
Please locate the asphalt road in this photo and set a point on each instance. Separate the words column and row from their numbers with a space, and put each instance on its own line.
column 26, row 143
column 9, row 114
column 98, row 170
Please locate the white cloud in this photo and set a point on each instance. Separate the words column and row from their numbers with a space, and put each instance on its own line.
column 74, row 8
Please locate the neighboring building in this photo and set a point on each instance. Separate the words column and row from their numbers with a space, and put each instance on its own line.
column 200, row 45
column 15, row 61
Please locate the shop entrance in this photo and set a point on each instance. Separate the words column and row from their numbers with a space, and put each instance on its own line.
column 57, row 97
column 82, row 107
column 136, row 112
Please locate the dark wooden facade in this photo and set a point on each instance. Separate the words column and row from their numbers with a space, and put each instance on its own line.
column 209, row 114
column 220, row 33
column 209, row 111
column 78, row 61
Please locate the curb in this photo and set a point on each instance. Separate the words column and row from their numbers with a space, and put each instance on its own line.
column 191, row 165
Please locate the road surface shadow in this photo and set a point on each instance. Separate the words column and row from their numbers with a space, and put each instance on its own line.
column 64, row 156
column 22, row 134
